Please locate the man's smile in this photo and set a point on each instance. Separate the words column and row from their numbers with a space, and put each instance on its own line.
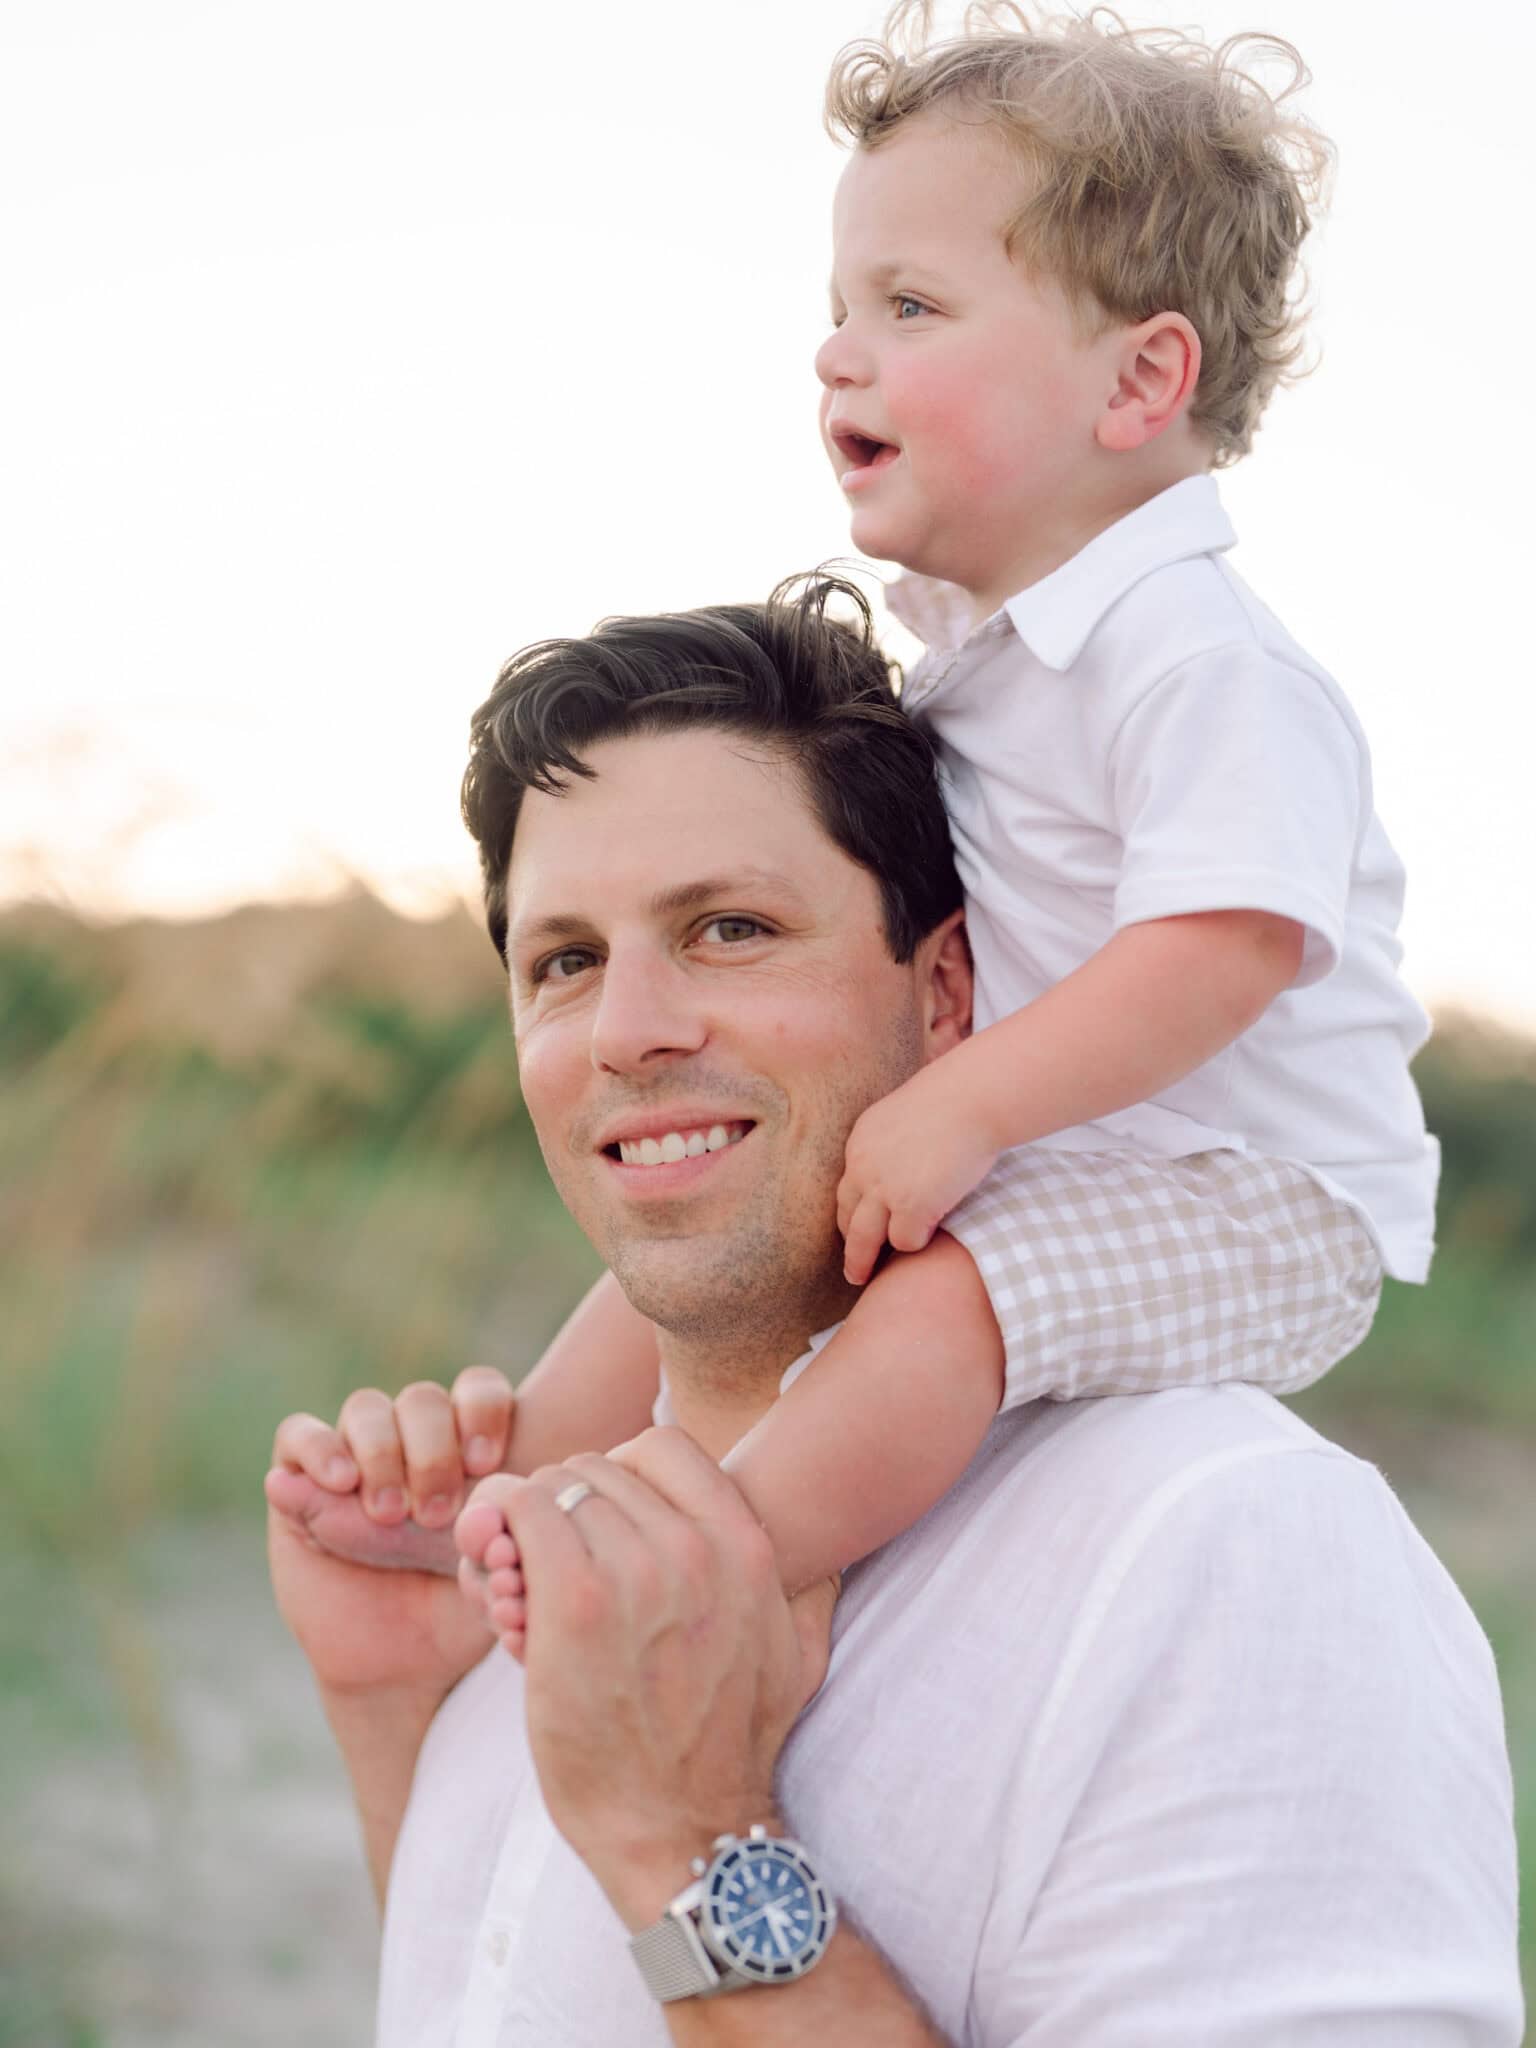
column 668, row 1151
column 666, row 1145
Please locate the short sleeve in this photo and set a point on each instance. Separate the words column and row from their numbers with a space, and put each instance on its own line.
column 1239, row 783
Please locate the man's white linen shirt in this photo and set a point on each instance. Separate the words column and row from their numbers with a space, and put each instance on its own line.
column 1135, row 736
column 1164, row 1727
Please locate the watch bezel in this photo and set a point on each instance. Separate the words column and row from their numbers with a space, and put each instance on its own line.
column 736, row 1955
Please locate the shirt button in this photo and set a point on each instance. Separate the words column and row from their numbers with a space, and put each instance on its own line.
column 497, row 1945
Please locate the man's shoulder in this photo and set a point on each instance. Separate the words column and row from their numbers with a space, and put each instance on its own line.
column 1111, row 1461
column 1071, row 1508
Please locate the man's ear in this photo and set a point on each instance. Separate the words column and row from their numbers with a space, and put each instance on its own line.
column 944, row 966
column 1155, row 377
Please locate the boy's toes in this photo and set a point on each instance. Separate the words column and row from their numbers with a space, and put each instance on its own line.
column 504, row 1585
column 474, row 1585
column 508, row 1614
column 500, row 1554
column 477, row 1529
column 514, row 1641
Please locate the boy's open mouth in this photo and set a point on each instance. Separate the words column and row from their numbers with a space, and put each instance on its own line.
column 862, row 451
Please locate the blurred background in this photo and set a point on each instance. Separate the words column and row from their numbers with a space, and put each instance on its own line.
column 350, row 347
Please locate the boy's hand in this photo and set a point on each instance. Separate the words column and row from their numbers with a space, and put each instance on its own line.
column 911, row 1157
column 413, row 1456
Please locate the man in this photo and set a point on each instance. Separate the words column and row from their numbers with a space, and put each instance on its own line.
column 1163, row 1727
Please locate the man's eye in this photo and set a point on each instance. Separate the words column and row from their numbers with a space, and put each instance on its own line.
column 564, row 965
column 731, row 931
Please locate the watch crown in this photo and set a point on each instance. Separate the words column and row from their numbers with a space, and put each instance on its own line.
column 698, row 1866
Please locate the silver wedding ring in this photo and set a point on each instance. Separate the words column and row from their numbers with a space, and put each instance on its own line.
column 571, row 1497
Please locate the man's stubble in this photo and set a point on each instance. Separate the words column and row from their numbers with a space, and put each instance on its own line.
column 738, row 1301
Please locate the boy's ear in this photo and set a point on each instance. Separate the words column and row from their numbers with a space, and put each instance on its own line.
column 1158, row 368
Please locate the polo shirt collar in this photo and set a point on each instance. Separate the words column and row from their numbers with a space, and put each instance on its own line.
column 1055, row 616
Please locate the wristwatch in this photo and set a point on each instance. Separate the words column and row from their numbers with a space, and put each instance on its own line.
column 756, row 1913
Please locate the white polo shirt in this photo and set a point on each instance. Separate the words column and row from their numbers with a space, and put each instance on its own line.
column 1163, row 1727
column 1135, row 737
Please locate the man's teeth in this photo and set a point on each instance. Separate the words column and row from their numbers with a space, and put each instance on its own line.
column 679, row 1145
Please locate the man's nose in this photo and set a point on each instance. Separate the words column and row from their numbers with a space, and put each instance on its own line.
column 649, row 1011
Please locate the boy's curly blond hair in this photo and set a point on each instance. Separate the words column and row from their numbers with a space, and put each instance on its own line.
column 1163, row 175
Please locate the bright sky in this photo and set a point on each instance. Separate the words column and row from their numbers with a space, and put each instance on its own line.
column 353, row 345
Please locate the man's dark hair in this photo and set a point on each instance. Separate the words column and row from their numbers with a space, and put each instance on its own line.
column 813, row 686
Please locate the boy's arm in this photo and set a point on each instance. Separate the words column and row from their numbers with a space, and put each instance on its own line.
column 1153, row 1004
column 593, row 1388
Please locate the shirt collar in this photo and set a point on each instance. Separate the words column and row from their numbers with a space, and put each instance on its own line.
column 1055, row 616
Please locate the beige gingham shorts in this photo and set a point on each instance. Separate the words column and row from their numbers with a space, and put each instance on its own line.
column 1113, row 1273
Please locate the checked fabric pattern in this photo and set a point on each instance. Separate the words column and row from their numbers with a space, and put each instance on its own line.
column 1113, row 1273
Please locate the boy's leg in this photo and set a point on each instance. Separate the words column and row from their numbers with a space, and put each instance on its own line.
column 882, row 1422
column 876, row 1429
column 1113, row 1273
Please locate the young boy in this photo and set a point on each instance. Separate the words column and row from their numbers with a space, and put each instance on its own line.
column 1183, row 1143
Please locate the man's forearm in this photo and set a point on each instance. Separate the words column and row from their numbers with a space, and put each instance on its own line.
column 852, row 1999
column 379, row 1735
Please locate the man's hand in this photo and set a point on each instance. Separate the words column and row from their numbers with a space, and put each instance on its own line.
column 409, row 1456
column 911, row 1157
column 382, row 1487
column 363, row 1630
column 664, row 1665
column 386, row 1647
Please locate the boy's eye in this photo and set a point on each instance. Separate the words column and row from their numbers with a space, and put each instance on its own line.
column 907, row 307
column 731, row 931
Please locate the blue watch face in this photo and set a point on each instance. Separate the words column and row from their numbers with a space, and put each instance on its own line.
column 769, row 1913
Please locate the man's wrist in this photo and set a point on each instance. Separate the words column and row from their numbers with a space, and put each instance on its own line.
column 642, row 1880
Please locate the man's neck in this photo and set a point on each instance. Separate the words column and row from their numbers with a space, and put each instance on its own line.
column 721, row 1384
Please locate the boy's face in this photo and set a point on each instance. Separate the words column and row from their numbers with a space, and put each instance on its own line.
column 959, row 397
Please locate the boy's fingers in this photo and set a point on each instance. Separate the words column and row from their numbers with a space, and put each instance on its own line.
column 304, row 1443
column 909, row 1231
column 864, row 1239
column 429, row 1442
column 367, row 1423
column 482, row 1401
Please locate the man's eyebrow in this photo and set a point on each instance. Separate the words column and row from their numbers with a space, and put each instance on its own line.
column 673, row 902
column 721, row 888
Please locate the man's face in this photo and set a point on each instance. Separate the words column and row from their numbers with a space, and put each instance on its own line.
column 703, row 1003
column 959, row 398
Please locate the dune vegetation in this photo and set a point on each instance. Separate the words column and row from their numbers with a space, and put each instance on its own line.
column 251, row 1163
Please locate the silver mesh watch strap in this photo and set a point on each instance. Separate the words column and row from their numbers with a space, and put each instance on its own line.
column 673, row 1961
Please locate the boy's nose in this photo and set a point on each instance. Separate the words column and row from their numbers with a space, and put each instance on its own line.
column 840, row 360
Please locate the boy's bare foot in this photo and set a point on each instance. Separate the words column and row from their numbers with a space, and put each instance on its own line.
column 338, row 1522
column 490, row 1574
